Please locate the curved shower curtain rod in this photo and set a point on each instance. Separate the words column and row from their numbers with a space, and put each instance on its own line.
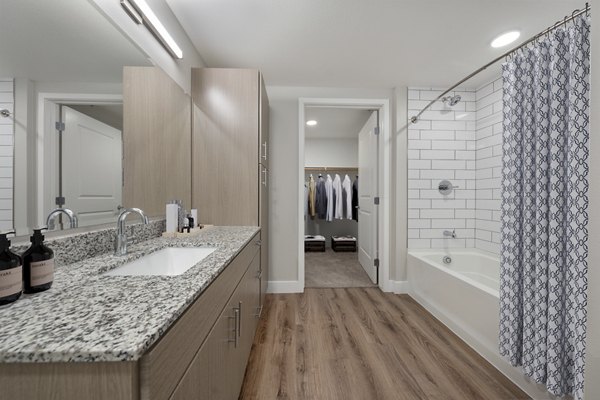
column 562, row 22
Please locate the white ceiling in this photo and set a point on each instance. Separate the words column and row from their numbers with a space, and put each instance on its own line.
column 62, row 41
column 360, row 43
column 335, row 123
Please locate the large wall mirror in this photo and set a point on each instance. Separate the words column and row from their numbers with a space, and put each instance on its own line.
column 61, row 73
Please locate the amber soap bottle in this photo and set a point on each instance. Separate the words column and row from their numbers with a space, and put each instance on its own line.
column 38, row 265
column 11, row 276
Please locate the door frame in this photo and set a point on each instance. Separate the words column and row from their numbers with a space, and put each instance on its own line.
column 384, row 184
column 47, row 143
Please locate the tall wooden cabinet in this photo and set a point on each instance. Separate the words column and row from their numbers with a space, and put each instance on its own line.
column 230, row 151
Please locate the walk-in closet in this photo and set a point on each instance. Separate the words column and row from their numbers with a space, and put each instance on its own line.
column 336, row 141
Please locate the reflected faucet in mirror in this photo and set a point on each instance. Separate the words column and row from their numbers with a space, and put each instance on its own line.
column 73, row 221
column 121, row 239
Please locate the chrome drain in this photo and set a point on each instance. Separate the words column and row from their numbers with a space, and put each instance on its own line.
column 447, row 260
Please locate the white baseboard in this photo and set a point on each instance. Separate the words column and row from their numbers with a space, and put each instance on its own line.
column 285, row 287
column 399, row 287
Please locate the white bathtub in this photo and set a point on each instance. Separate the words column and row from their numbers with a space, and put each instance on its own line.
column 464, row 296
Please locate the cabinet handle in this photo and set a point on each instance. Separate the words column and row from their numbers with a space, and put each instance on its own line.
column 236, row 318
column 258, row 242
column 239, row 326
column 264, row 182
column 265, row 147
column 258, row 312
column 259, row 275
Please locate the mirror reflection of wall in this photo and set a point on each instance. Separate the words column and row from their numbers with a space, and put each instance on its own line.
column 61, row 61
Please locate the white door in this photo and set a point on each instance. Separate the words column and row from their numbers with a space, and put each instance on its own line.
column 91, row 168
column 367, row 191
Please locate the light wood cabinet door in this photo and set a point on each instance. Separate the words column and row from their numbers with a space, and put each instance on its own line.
column 225, row 145
column 222, row 355
column 264, row 239
column 157, row 135
column 195, row 384
column 251, row 307
column 265, row 147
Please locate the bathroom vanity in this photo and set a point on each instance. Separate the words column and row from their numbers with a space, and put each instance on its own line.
column 97, row 336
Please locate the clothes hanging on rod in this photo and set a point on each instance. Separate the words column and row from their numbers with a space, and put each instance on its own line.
column 321, row 198
column 330, row 198
column 305, row 200
column 338, row 197
column 347, row 201
column 329, row 194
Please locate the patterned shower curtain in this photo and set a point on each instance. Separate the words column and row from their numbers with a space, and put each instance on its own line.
column 543, row 275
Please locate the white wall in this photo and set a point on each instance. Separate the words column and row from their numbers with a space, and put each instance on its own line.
column 331, row 152
column 399, row 213
column 178, row 70
column 592, row 372
column 6, row 154
column 284, row 222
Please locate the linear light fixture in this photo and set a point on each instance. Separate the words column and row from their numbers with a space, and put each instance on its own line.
column 155, row 26
column 137, row 18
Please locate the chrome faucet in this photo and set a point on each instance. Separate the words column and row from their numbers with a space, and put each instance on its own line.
column 73, row 221
column 451, row 234
column 121, row 239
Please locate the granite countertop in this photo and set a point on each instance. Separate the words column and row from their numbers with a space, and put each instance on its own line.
column 89, row 317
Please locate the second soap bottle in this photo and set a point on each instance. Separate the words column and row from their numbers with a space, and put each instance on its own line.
column 38, row 265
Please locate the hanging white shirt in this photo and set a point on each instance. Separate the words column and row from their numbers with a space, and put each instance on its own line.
column 347, row 190
column 338, row 212
column 329, row 194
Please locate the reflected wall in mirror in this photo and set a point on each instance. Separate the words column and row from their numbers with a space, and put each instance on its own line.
column 61, row 74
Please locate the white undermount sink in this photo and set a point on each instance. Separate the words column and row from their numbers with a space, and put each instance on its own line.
column 170, row 261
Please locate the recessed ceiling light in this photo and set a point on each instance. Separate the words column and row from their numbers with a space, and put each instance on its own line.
column 506, row 38
column 311, row 122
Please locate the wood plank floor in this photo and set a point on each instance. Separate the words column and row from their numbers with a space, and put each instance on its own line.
column 361, row 343
column 332, row 269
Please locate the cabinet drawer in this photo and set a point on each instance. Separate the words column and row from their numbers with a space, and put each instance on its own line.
column 163, row 366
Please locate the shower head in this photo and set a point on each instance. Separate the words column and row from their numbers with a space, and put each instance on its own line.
column 451, row 100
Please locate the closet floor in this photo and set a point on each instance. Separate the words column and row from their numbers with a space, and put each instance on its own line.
column 363, row 344
column 334, row 270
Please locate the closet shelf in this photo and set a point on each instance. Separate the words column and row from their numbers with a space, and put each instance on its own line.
column 325, row 169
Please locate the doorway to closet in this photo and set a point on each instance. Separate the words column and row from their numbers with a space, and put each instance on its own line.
column 340, row 196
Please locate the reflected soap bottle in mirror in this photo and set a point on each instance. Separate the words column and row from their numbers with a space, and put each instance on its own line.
column 38, row 265
column 11, row 272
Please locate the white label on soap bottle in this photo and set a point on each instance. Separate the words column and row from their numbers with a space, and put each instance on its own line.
column 42, row 272
column 11, row 281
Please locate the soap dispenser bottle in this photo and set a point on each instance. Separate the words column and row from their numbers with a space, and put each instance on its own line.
column 11, row 272
column 38, row 265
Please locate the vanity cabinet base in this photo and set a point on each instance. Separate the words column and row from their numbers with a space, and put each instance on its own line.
column 69, row 381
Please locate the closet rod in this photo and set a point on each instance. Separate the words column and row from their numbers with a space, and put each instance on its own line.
column 562, row 22
column 316, row 169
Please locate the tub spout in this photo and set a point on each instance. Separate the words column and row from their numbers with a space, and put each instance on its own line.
column 450, row 234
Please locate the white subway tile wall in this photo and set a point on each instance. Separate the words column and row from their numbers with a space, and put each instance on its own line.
column 488, row 166
column 6, row 155
column 442, row 146
column 462, row 144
